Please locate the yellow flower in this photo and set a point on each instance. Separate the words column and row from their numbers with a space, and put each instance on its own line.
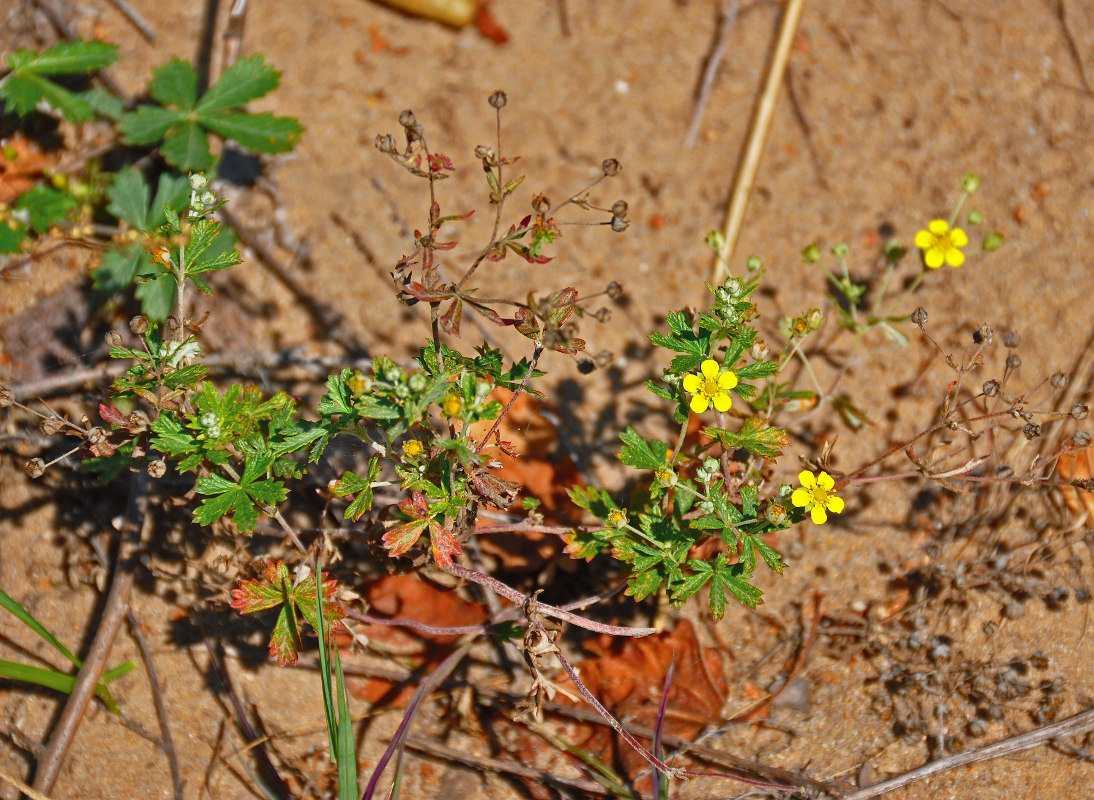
column 815, row 496
column 452, row 405
column 413, row 448
column 940, row 244
column 711, row 388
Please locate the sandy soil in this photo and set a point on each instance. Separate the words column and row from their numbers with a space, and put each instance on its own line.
column 894, row 101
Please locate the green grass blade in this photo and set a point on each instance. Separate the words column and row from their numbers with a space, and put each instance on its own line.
column 24, row 616
column 59, row 681
column 347, row 750
column 324, row 665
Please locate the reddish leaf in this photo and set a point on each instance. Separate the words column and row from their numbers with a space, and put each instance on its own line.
column 398, row 540
column 444, row 544
column 113, row 416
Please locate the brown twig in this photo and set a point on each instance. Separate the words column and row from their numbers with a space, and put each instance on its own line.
column 496, row 765
column 114, row 611
column 1072, row 47
column 135, row 19
column 167, row 743
column 1072, row 726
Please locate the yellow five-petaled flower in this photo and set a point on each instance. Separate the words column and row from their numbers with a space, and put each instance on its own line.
column 940, row 244
column 815, row 496
column 711, row 388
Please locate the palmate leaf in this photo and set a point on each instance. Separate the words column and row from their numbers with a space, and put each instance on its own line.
column 224, row 497
column 28, row 85
column 262, row 132
column 757, row 436
column 247, row 79
column 639, row 453
column 65, row 58
column 351, row 483
column 45, row 206
column 175, row 84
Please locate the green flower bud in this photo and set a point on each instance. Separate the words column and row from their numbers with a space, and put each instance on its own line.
column 976, row 217
column 992, row 241
column 840, row 250
column 811, row 253
column 754, row 264
column 417, row 382
column 715, row 240
column 970, row 182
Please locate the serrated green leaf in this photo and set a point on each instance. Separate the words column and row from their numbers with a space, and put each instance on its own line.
column 175, row 84
column 103, row 103
column 65, row 58
column 338, row 399
column 12, row 235
column 157, row 297
column 750, row 499
column 187, row 148
column 641, row 585
column 639, row 453
column 247, row 79
column 758, row 370
column 149, row 124
column 769, row 554
column 262, row 132
column 172, row 191
column 24, row 92
column 756, row 436
column 129, row 195
column 45, row 205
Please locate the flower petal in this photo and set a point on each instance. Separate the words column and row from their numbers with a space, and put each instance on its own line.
column 727, row 380
column 824, row 480
column 801, row 497
column 925, row 240
column 709, row 368
column 835, row 504
column 818, row 515
column 934, row 257
column 938, row 227
column 954, row 257
column 959, row 237
column 692, row 383
column 699, row 404
column 722, row 401
column 807, row 478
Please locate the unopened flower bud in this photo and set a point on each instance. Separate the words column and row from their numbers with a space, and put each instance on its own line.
column 754, row 264
column 976, row 217
column 498, row 99
column 610, row 167
column 208, row 198
column 715, row 240
column 35, row 467
column 811, row 253
column 970, row 182
column 407, row 118
column 417, row 381
column 198, row 182
column 840, row 250
column 139, row 325
column 815, row 319
column 113, row 339
column 992, row 241
column 759, row 350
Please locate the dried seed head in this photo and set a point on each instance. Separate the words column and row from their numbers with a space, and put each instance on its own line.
column 759, row 350
column 614, row 290
column 157, row 468
column 7, row 398
column 407, row 118
column 983, row 334
column 35, row 467
column 1059, row 380
column 139, row 325
column 113, row 339
column 385, row 143
column 990, row 388
column 611, row 167
column 486, row 153
column 604, row 358
column 619, row 208
column 50, row 425
column 1013, row 361
column 1079, row 411
column 919, row 316
column 138, row 422
column 603, row 314
column 1011, row 339
column 541, row 203
column 96, row 436
column 585, row 365
column 619, row 224
column 498, row 99
column 1032, row 430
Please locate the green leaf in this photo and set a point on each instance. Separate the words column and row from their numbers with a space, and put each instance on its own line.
column 175, row 84
column 12, row 234
column 103, row 103
column 262, row 132
column 247, row 79
column 157, row 297
column 338, row 399
column 65, row 58
column 187, row 148
column 639, row 453
column 149, row 124
column 45, row 205
column 171, row 437
column 749, row 500
column 350, row 483
column 24, row 91
column 756, row 371
column 769, row 554
column 129, row 195
column 757, row 436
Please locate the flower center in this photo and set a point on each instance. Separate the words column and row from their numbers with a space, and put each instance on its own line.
column 710, row 387
column 943, row 242
column 820, row 495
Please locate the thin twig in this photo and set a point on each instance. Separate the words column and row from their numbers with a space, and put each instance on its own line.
column 496, row 765
column 1072, row 726
column 233, row 34
column 167, row 743
column 135, row 19
column 727, row 21
column 757, row 137
column 114, row 611
column 1072, row 47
